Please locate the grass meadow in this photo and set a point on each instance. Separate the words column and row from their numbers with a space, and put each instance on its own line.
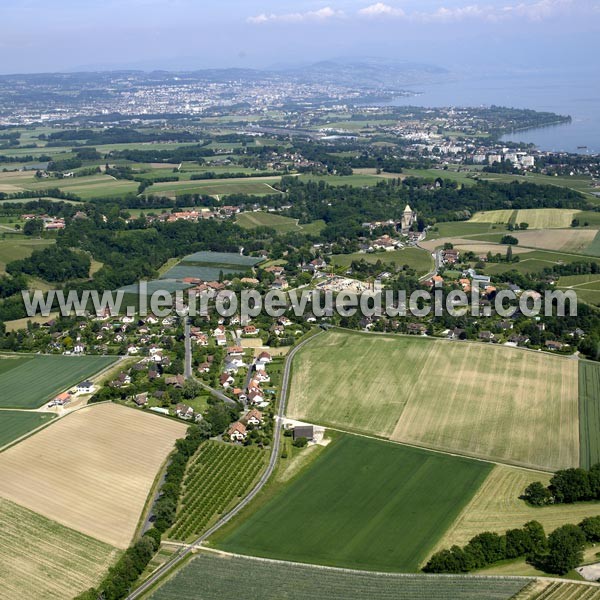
column 29, row 381
column 16, row 249
column 212, row 187
column 217, row 575
column 251, row 220
column 480, row 400
column 417, row 259
column 363, row 504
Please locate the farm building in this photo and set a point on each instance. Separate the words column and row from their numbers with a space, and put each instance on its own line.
column 85, row 387
column 304, row 431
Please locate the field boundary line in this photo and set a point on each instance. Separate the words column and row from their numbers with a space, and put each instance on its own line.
column 393, row 575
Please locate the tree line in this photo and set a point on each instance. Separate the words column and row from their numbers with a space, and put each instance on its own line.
column 558, row 553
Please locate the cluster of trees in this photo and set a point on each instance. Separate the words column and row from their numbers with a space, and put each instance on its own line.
column 174, row 156
column 566, row 486
column 56, row 264
column 487, row 548
column 227, row 175
column 558, row 553
column 116, row 135
column 345, row 208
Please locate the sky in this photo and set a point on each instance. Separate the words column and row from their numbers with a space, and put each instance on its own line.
column 469, row 35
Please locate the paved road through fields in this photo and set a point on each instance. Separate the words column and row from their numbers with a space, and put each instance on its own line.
column 186, row 550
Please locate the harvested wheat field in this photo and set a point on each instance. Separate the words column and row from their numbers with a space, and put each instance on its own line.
column 497, row 507
column 536, row 218
column 481, row 400
column 40, row 559
column 565, row 240
column 91, row 470
column 495, row 403
column 492, row 216
column 483, row 248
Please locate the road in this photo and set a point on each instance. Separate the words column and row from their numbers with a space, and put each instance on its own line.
column 187, row 550
column 188, row 348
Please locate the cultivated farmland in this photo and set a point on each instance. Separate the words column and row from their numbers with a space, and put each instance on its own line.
column 497, row 507
column 27, row 381
column 15, row 423
column 217, row 575
column 41, row 559
column 487, row 401
column 250, row 220
column 209, row 265
column 91, row 470
column 212, row 187
column 537, row 218
column 364, row 504
column 589, row 413
column 219, row 475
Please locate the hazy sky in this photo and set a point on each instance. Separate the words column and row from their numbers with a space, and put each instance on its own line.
column 58, row 35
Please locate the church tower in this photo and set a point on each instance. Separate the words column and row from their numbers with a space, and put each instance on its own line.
column 409, row 216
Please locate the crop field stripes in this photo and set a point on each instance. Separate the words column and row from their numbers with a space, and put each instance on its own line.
column 218, row 475
column 589, row 413
column 566, row 591
column 264, row 579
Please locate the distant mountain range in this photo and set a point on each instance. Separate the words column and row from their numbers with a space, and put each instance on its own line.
column 364, row 73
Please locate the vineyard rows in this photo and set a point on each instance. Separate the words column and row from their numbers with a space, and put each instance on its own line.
column 218, row 474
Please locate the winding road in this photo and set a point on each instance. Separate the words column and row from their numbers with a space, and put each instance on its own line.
column 187, row 550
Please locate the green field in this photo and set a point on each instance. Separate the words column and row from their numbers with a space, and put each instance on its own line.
column 16, row 249
column 589, row 413
column 29, row 381
column 415, row 258
column 463, row 229
column 90, row 186
column 15, row 423
column 218, row 575
column 250, row 220
column 364, row 504
column 535, row 262
column 463, row 177
column 212, row 187
column 587, row 287
column 43, row 560
column 481, row 400
column 580, row 183
column 357, row 180
column 217, row 478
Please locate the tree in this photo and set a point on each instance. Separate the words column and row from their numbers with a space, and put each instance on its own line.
column 565, row 549
column 33, row 227
column 509, row 239
column 571, row 485
column 509, row 254
column 537, row 494
column 591, row 528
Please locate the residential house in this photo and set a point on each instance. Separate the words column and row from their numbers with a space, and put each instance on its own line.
column 253, row 417
column 237, row 432
column 141, row 399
